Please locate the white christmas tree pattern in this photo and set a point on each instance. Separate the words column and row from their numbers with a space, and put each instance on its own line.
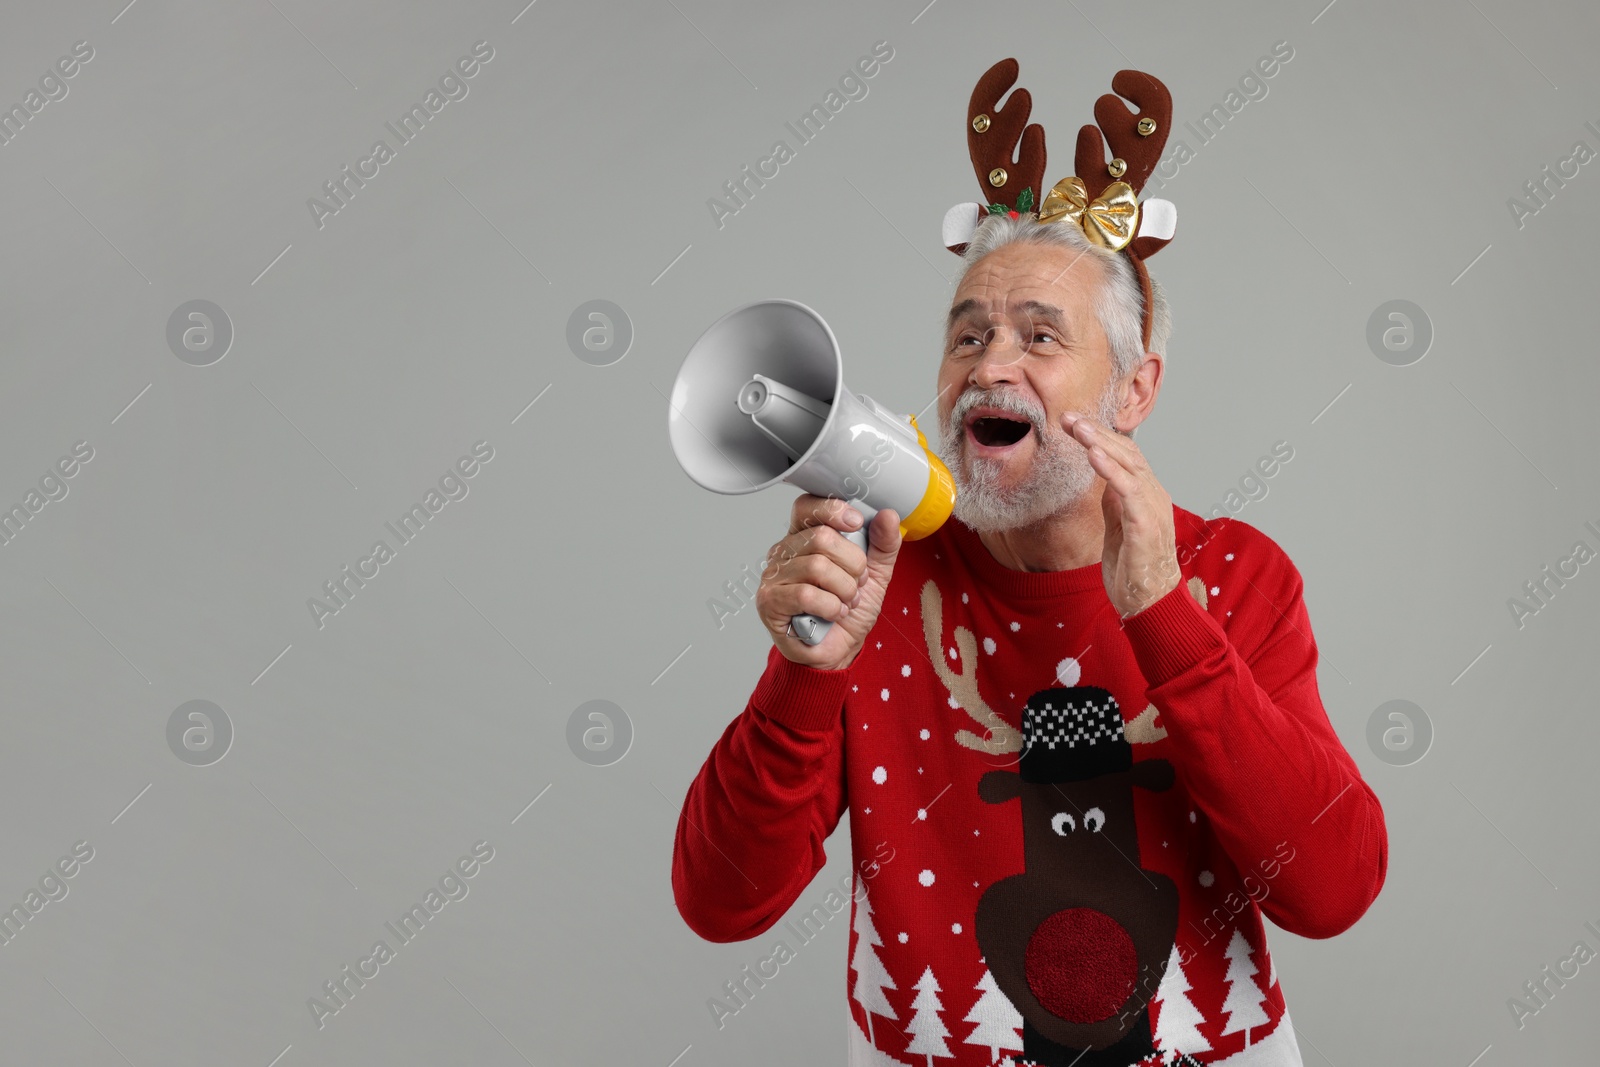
column 1177, row 1023
column 871, row 976
column 927, row 1029
column 997, row 1018
column 1243, row 1003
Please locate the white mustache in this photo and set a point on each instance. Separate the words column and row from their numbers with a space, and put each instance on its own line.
column 1007, row 402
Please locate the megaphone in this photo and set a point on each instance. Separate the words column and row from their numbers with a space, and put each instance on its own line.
column 760, row 399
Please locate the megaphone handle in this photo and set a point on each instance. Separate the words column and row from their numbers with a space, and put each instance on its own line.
column 809, row 628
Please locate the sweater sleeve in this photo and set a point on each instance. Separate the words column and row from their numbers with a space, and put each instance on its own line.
column 751, row 830
column 1253, row 745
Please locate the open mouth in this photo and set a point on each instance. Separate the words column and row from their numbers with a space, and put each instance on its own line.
column 997, row 431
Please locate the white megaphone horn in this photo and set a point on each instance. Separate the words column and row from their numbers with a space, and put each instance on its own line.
column 760, row 398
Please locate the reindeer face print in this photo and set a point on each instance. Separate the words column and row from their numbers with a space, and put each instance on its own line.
column 1088, row 823
column 1068, row 938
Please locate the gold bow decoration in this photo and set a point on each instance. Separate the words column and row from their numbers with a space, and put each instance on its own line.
column 1110, row 219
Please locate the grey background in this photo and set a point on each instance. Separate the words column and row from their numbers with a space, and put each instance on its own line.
column 427, row 314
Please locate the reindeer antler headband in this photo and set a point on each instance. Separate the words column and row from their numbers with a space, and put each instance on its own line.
column 1102, row 198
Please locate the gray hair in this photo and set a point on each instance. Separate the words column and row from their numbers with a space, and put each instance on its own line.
column 1119, row 301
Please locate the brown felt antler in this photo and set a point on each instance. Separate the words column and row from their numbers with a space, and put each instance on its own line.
column 992, row 134
column 1139, row 152
column 1136, row 139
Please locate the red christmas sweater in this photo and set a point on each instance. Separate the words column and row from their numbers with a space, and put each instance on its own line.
column 1066, row 827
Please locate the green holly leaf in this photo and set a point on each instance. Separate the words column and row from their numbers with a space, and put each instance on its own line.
column 998, row 209
column 1025, row 200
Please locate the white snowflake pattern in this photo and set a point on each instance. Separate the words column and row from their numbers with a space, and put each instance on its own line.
column 926, row 877
column 905, row 670
column 989, row 645
column 1207, row 879
column 924, row 734
column 1015, row 626
column 880, row 774
column 883, row 694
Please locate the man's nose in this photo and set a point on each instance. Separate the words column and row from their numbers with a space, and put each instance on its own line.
column 1001, row 360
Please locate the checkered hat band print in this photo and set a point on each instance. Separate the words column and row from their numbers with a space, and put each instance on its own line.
column 1069, row 723
column 1070, row 734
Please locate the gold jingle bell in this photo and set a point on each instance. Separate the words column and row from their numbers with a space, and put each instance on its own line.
column 1147, row 126
column 980, row 123
column 1117, row 168
column 997, row 177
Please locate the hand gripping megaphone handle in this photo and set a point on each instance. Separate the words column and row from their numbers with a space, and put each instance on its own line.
column 809, row 628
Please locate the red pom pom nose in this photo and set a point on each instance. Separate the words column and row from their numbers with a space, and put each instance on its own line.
column 1081, row 964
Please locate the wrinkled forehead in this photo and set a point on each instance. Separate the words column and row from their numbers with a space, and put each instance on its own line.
column 1017, row 280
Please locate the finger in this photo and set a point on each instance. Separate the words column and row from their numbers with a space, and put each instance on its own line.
column 829, row 542
column 814, row 540
column 812, row 510
column 1114, row 457
column 788, row 601
column 1119, row 479
column 885, row 538
column 1111, row 511
column 820, row 571
column 1088, row 430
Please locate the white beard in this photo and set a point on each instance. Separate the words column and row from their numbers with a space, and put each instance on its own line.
column 1059, row 476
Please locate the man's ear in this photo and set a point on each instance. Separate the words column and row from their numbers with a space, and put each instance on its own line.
column 1139, row 394
column 997, row 787
column 1155, row 775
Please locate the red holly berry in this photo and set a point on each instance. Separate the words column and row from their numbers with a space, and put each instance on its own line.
column 1013, row 214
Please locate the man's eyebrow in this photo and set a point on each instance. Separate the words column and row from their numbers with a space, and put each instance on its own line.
column 957, row 311
column 1035, row 310
column 1046, row 312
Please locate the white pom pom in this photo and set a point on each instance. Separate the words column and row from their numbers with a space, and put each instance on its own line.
column 960, row 221
column 1157, row 218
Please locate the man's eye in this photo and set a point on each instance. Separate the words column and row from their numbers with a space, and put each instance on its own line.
column 1042, row 337
column 969, row 339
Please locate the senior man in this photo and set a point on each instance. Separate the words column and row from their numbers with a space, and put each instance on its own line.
column 1077, row 729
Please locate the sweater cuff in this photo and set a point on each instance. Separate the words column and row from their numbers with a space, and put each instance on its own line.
column 1172, row 635
column 801, row 697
